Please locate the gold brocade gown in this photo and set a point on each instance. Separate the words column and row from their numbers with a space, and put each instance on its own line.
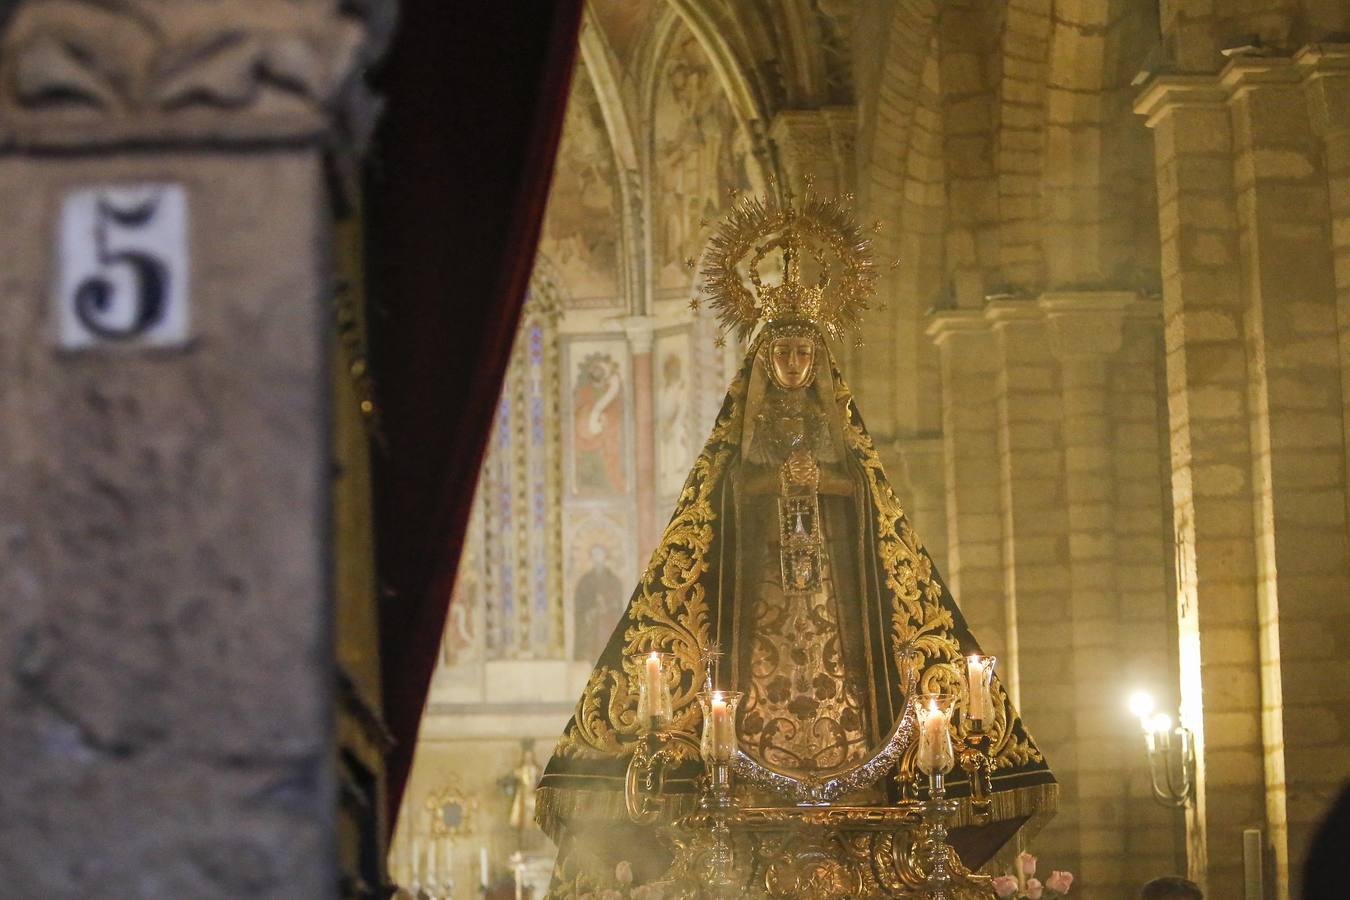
column 800, row 661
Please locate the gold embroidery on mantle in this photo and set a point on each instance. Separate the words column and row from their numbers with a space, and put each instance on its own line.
column 921, row 627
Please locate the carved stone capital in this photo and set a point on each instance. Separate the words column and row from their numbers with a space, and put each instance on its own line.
column 1324, row 69
column 1327, row 68
column 819, row 143
column 138, row 72
column 1087, row 324
column 640, row 331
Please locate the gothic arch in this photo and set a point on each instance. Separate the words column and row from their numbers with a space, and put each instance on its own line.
column 685, row 190
column 1094, row 50
column 599, row 67
column 598, row 64
column 748, row 100
column 1025, row 48
column 884, row 129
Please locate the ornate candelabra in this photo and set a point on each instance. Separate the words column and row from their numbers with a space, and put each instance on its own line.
column 821, row 847
column 717, row 747
column 644, row 786
column 944, row 876
column 975, row 757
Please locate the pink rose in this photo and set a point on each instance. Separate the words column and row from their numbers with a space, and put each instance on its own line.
column 623, row 872
column 1005, row 885
column 1026, row 864
column 1034, row 888
column 1059, row 882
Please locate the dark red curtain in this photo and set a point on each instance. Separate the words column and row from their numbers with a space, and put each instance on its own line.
column 456, row 191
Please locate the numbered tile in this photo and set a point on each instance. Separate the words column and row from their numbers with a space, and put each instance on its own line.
column 123, row 267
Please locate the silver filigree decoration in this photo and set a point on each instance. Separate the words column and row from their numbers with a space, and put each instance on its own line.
column 827, row 789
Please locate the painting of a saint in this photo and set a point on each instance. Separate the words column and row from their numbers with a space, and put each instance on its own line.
column 673, row 446
column 598, row 444
column 597, row 604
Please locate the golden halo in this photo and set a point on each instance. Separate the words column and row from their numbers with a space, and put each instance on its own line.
column 758, row 228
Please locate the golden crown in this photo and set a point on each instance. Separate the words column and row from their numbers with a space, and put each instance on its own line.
column 759, row 228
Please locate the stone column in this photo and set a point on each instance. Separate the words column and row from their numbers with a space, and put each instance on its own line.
column 166, row 651
column 1051, row 421
column 639, row 331
column 1247, row 161
column 1328, row 86
column 1085, row 331
column 1036, row 573
column 1212, row 488
column 973, row 564
column 1109, row 642
column 1299, row 449
column 1152, row 837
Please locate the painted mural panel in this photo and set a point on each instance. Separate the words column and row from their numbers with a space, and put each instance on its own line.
column 598, row 402
column 700, row 153
column 598, row 579
column 581, row 226
column 675, row 441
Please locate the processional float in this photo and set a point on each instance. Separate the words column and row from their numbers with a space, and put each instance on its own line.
column 652, row 772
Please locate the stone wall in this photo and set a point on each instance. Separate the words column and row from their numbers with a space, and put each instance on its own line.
column 166, row 602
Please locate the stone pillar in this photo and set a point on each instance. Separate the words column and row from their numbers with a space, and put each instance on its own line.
column 1085, row 331
column 1328, row 86
column 1036, row 573
column 1212, row 489
column 639, row 331
column 918, row 475
column 1299, row 448
column 1057, row 399
column 165, row 545
column 1245, row 163
column 1101, row 634
column 1151, row 836
column 974, row 561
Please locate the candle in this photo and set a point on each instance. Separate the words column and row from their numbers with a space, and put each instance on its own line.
column 977, row 688
column 653, row 683
column 482, row 867
column 721, row 728
column 935, row 743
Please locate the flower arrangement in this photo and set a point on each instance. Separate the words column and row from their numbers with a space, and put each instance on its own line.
column 1023, row 885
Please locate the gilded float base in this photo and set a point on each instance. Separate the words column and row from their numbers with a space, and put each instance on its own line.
column 816, row 853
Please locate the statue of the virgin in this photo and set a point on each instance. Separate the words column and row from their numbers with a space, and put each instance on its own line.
column 788, row 572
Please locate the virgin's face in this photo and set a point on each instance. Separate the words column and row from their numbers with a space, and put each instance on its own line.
column 793, row 359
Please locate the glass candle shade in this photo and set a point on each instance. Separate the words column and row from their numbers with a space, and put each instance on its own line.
column 980, row 688
column 718, row 744
column 936, row 755
column 654, row 705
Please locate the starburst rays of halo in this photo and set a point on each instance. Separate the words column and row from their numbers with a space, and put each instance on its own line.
column 755, row 228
